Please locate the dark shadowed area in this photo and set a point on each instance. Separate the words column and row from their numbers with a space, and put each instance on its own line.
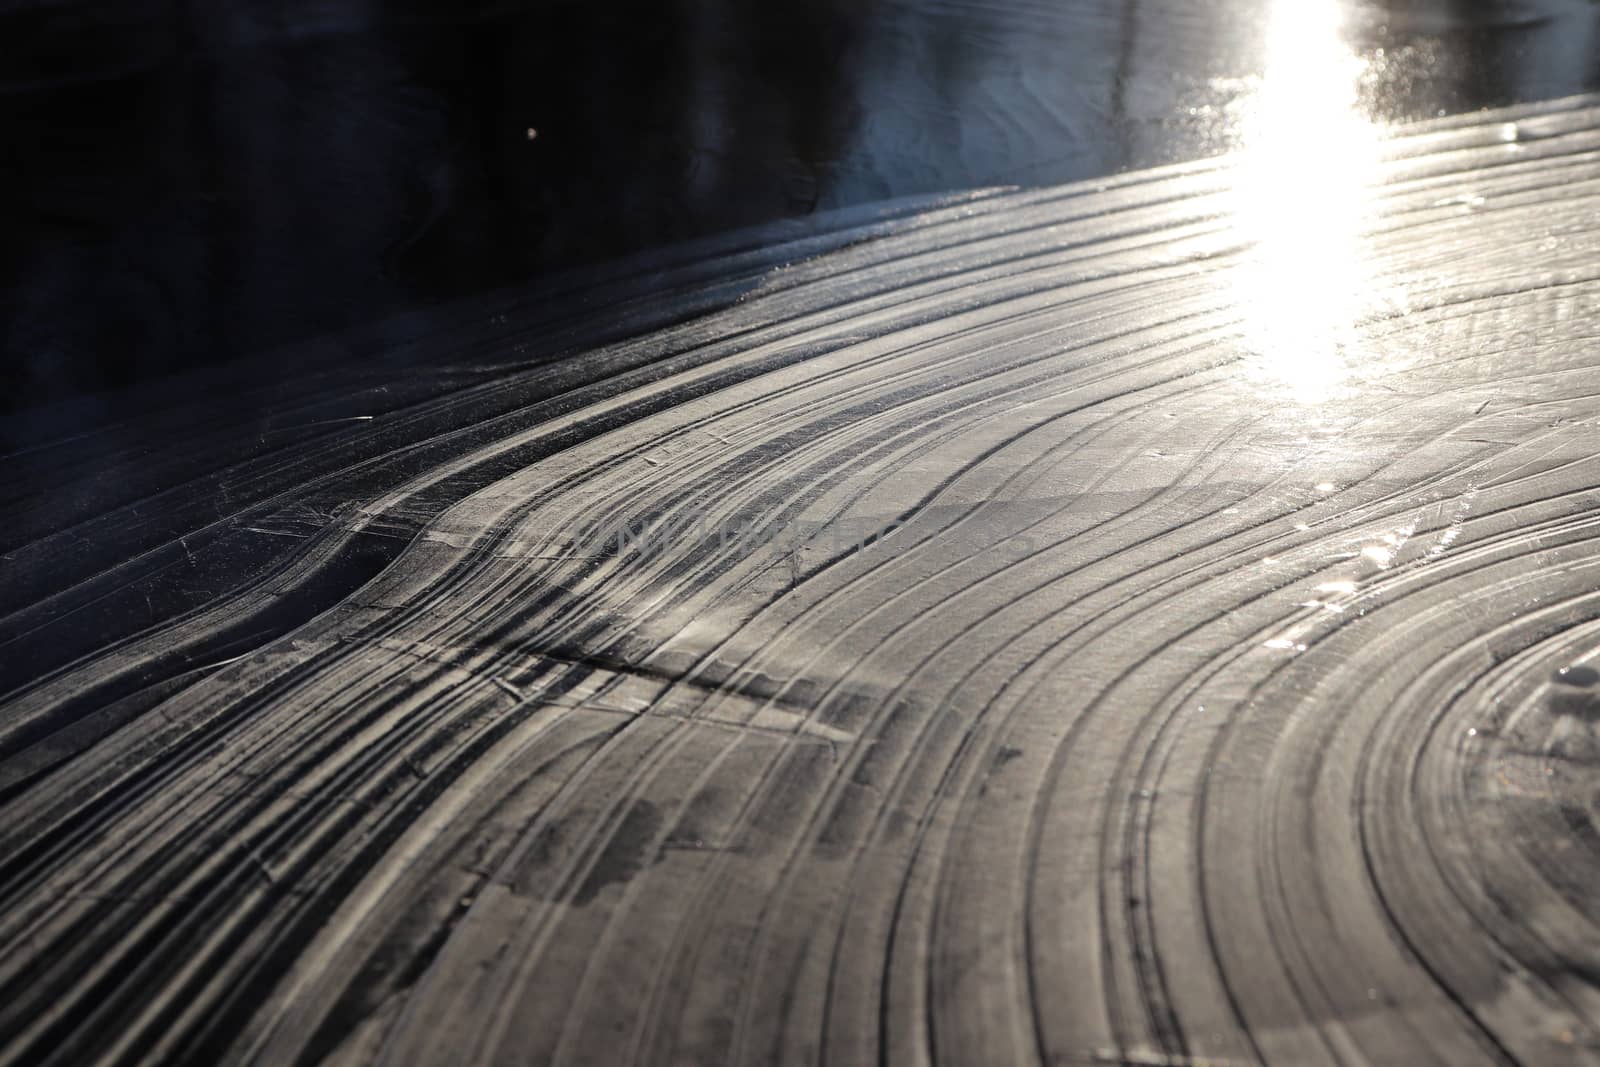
column 185, row 183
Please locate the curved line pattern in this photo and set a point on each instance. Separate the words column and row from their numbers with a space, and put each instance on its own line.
column 1166, row 721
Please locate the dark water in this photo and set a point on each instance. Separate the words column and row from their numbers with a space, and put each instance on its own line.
column 185, row 183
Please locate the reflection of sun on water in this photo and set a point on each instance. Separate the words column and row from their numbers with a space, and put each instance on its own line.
column 1305, row 183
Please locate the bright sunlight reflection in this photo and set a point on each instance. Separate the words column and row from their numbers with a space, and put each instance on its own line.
column 1307, row 169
